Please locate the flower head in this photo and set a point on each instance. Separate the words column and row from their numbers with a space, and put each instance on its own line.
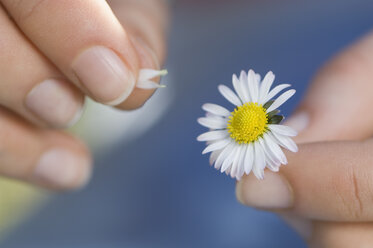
column 248, row 138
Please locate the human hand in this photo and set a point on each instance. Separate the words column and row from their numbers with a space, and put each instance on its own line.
column 326, row 190
column 53, row 54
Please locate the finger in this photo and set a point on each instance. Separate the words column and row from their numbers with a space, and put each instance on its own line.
column 146, row 28
column 339, row 98
column 30, row 85
column 85, row 41
column 323, row 181
column 341, row 235
column 47, row 158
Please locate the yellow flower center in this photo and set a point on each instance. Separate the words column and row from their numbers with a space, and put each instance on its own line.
column 247, row 123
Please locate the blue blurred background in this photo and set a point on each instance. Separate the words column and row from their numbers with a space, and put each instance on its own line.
column 159, row 191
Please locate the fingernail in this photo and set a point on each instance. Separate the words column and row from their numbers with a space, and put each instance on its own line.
column 273, row 192
column 104, row 75
column 299, row 121
column 62, row 168
column 55, row 102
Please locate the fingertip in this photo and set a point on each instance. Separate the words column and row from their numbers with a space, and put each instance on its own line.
column 62, row 168
column 272, row 192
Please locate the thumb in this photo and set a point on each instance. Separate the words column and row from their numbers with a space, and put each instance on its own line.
column 338, row 102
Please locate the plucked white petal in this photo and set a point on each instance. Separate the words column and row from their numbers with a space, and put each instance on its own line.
column 274, row 148
column 283, row 130
column 224, row 154
column 266, row 86
column 285, row 142
column 216, row 109
column 213, row 135
column 249, row 158
column 229, row 95
column 259, row 161
column 147, row 74
column 253, row 86
column 146, row 85
column 216, row 145
column 212, row 122
column 275, row 91
column 280, row 100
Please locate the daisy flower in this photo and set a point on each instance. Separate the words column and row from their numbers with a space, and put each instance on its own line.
column 248, row 138
column 146, row 76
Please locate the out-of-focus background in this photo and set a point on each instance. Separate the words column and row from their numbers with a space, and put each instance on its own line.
column 151, row 186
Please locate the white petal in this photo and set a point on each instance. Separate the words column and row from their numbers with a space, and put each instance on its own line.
column 283, row 130
column 280, row 100
column 214, row 155
column 149, row 85
column 274, row 148
column 229, row 95
column 245, row 96
column 259, row 161
column 216, row 146
column 215, row 109
column 147, row 74
column 213, row 135
column 224, row 154
column 272, row 162
column 230, row 158
column 285, row 142
column 275, row 91
column 249, row 158
column 241, row 164
column 212, row 122
column 266, row 86
column 235, row 161
column 258, row 77
column 253, row 86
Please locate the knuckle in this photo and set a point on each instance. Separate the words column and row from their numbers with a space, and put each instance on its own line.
column 351, row 189
column 26, row 9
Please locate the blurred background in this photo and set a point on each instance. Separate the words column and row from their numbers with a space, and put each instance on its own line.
column 151, row 186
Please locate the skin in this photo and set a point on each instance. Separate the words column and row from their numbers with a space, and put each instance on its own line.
column 45, row 47
column 335, row 148
column 331, row 175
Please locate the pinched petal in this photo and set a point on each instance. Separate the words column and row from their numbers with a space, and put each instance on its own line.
column 147, row 74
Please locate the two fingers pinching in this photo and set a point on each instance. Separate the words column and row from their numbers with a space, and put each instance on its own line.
column 64, row 50
column 53, row 53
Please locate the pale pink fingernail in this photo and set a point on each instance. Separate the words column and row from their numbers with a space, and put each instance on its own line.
column 61, row 168
column 298, row 121
column 54, row 102
column 273, row 192
column 103, row 73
